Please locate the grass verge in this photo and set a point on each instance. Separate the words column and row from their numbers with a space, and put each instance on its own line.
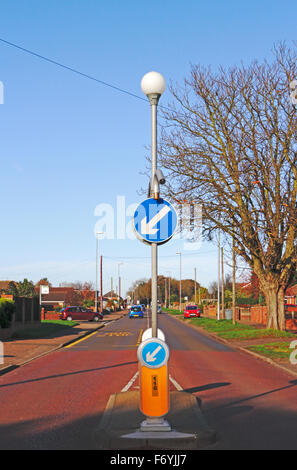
column 227, row 330
column 45, row 329
column 275, row 351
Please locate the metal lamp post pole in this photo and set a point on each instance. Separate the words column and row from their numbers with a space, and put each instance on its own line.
column 153, row 85
column 154, row 98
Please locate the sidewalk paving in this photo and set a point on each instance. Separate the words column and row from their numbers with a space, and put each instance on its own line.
column 17, row 352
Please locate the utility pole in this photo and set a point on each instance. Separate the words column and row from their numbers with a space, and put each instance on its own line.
column 180, row 295
column 223, row 296
column 101, row 286
column 234, row 284
column 96, row 293
column 119, row 279
column 195, row 285
column 219, row 249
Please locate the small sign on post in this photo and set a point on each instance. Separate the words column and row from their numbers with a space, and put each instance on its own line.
column 153, row 355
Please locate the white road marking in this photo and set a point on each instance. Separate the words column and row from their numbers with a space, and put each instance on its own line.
column 177, row 386
column 130, row 383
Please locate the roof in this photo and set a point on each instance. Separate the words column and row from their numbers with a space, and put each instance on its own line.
column 111, row 295
column 4, row 284
column 53, row 297
column 292, row 290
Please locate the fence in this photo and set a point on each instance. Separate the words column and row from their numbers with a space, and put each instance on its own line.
column 255, row 314
column 49, row 315
column 27, row 313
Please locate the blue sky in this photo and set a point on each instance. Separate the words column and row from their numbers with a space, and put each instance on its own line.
column 69, row 144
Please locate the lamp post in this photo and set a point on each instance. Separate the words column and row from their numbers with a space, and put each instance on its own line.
column 153, row 85
column 179, row 253
column 96, row 294
column 119, row 290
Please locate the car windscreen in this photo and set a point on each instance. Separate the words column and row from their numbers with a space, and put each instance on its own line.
column 136, row 309
column 191, row 307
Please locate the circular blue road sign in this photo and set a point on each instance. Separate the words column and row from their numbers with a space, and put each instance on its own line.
column 153, row 353
column 155, row 220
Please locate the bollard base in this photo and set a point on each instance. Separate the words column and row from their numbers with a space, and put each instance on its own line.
column 120, row 425
column 155, row 424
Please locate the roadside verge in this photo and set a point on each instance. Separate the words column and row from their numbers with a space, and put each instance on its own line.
column 251, row 346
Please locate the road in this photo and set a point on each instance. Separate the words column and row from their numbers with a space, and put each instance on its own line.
column 56, row 401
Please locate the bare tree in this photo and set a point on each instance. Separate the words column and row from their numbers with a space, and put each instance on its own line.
column 228, row 144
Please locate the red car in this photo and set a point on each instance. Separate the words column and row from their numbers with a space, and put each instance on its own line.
column 79, row 313
column 191, row 311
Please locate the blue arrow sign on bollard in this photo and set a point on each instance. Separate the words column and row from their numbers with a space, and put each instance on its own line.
column 155, row 220
column 153, row 353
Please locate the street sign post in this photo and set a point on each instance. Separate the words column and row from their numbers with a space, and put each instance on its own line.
column 153, row 355
column 154, row 222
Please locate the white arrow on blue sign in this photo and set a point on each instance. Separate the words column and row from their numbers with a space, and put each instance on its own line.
column 153, row 353
column 155, row 220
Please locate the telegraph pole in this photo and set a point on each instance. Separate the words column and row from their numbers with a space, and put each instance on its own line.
column 223, row 296
column 195, row 285
column 101, row 285
column 234, row 284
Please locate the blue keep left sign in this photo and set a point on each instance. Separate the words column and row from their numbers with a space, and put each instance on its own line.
column 155, row 220
column 153, row 353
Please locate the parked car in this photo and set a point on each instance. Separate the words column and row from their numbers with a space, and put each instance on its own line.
column 136, row 311
column 191, row 311
column 79, row 313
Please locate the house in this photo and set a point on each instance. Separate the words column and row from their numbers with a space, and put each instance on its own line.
column 56, row 297
column 4, row 285
column 291, row 295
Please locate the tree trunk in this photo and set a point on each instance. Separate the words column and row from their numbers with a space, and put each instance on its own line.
column 274, row 297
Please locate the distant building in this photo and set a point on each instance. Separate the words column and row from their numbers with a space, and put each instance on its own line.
column 4, row 285
column 291, row 295
column 55, row 298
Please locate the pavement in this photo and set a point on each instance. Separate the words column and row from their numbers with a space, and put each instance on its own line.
column 17, row 352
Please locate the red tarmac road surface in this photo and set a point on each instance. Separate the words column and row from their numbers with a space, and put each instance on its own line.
column 56, row 402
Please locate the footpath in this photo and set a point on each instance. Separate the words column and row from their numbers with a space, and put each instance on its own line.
column 17, row 352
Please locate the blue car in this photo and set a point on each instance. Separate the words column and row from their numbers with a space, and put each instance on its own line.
column 136, row 311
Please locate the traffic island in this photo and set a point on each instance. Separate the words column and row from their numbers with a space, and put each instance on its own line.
column 120, row 425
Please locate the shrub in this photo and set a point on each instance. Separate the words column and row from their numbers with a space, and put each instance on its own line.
column 6, row 311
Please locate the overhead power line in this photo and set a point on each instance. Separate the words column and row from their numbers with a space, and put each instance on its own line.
column 71, row 69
